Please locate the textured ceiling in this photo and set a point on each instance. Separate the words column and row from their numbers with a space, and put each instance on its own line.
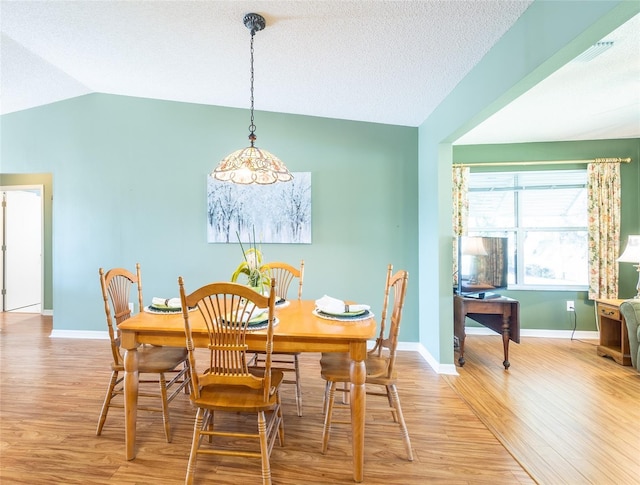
column 594, row 100
column 379, row 61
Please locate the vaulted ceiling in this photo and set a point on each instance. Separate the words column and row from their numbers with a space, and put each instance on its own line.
column 376, row 61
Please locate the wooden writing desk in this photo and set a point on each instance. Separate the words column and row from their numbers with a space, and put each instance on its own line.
column 502, row 315
column 298, row 330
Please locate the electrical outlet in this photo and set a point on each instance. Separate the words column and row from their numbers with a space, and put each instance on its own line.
column 570, row 306
column 131, row 307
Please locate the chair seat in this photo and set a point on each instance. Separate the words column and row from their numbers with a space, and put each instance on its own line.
column 157, row 359
column 238, row 398
column 337, row 369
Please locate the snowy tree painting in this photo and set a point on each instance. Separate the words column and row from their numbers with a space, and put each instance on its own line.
column 279, row 213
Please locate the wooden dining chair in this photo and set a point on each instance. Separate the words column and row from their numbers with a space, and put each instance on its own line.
column 380, row 363
column 165, row 367
column 287, row 362
column 225, row 382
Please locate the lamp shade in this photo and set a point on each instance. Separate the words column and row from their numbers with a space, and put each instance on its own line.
column 252, row 165
column 473, row 246
column 631, row 253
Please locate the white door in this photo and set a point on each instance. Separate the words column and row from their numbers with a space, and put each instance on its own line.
column 22, row 249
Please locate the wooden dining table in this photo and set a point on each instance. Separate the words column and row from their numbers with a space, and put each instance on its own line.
column 298, row 329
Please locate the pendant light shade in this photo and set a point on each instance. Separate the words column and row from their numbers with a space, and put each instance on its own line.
column 252, row 165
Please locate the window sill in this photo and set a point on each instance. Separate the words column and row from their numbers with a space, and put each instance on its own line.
column 548, row 288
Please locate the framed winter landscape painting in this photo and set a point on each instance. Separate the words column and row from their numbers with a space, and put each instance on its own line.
column 278, row 213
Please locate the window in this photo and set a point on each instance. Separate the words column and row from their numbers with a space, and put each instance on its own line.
column 544, row 215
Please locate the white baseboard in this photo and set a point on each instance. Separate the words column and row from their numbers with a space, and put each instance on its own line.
column 449, row 369
column 80, row 334
column 540, row 333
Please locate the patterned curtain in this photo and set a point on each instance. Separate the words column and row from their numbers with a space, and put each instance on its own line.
column 460, row 210
column 495, row 264
column 603, row 193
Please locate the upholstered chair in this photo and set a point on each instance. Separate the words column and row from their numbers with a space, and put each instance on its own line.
column 630, row 310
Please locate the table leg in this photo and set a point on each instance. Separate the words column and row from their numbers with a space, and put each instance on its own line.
column 506, row 326
column 130, row 400
column 461, row 339
column 358, row 375
column 459, row 316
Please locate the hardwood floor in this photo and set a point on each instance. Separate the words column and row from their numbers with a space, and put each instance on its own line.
column 560, row 413
column 567, row 415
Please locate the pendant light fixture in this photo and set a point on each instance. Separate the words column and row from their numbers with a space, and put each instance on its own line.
column 252, row 165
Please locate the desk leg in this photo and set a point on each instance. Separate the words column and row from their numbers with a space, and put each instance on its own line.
column 130, row 400
column 358, row 375
column 461, row 339
column 506, row 326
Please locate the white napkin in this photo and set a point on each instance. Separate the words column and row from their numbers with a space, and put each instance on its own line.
column 164, row 302
column 328, row 304
column 254, row 313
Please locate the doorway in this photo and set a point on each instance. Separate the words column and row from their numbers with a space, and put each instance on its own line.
column 21, row 235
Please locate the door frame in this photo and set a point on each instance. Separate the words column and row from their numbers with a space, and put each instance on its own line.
column 40, row 188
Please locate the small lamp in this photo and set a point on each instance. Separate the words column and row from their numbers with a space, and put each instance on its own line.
column 631, row 254
column 473, row 246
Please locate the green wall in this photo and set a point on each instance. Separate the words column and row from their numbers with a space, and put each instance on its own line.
column 130, row 186
column 547, row 309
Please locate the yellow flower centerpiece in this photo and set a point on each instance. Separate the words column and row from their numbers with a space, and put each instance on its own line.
column 251, row 267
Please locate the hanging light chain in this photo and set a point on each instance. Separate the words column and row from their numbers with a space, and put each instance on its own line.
column 252, row 126
column 252, row 165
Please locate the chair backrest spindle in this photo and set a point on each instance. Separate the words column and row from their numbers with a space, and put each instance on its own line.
column 377, row 349
column 227, row 310
column 116, row 291
column 398, row 287
column 284, row 274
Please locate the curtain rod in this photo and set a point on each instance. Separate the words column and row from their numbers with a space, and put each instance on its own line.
column 543, row 162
